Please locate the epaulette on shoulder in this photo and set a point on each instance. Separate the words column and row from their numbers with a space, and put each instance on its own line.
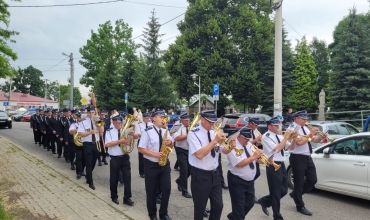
column 195, row 130
column 267, row 134
column 291, row 126
column 109, row 129
column 149, row 127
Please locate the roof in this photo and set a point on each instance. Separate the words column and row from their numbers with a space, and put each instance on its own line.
column 209, row 98
column 21, row 97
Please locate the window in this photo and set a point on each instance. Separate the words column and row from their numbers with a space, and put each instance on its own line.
column 332, row 129
column 353, row 146
column 3, row 114
column 342, row 129
column 351, row 129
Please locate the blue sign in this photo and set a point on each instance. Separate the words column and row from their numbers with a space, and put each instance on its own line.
column 5, row 103
column 216, row 89
column 126, row 96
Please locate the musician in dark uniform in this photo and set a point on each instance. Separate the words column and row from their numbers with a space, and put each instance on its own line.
column 80, row 158
column 150, row 145
column 274, row 146
column 182, row 152
column 61, row 146
column 90, row 135
column 203, row 157
column 68, row 140
column 44, row 137
column 242, row 170
column 52, row 123
column 48, row 130
column 300, row 159
column 139, row 129
column 119, row 162
column 33, row 125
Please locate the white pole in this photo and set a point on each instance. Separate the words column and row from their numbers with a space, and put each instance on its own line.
column 199, row 94
column 278, row 58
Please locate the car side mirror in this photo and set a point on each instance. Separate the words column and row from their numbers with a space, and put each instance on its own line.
column 326, row 152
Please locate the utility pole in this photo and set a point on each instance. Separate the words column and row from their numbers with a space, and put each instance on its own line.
column 278, row 68
column 10, row 89
column 46, row 88
column 71, row 79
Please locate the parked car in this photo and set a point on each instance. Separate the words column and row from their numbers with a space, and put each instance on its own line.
column 334, row 129
column 342, row 166
column 171, row 121
column 233, row 122
column 27, row 118
column 19, row 117
column 5, row 120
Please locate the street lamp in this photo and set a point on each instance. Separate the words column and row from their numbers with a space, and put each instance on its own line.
column 194, row 76
column 71, row 79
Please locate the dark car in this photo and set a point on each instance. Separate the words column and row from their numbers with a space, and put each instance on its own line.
column 172, row 121
column 5, row 120
column 233, row 122
column 19, row 117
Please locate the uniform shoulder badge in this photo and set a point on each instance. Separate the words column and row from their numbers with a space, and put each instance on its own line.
column 267, row 134
column 149, row 127
column 195, row 130
column 291, row 126
column 109, row 129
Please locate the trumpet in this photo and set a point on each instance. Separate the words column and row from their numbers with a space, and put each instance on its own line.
column 296, row 136
column 321, row 134
column 265, row 159
column 225, row 144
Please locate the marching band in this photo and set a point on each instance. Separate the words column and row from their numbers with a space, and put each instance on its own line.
column 84, row 139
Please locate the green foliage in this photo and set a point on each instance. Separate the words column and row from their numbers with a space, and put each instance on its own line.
column 29, row 77
column 6, row 52
column 350, row 58
column 320, row 52
column 224, row 42
column 65, row 94
column 303, row 94
column 151, row 84
column 4, row 214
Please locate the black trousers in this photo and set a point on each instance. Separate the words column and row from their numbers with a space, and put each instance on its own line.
column 141, row 161
column 71, row 149
column 177, row 161
column 258, row 172
column 80, row 160
column 35, row 135
column 278, row 187
column 53, row 139
column 38, row 136
column 60, row 145
column 102, row 154
column 242, row 196
column 117, row 164
column 302, row 166
column 91, row 155
column 46, row 140
column 155, row 176
column 183, row 161
column 220, row 169
column 206, row 185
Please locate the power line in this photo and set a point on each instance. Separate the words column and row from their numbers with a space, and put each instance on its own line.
column 90, row 3
column 291, row 27
column 55, row 65
column 49, row 59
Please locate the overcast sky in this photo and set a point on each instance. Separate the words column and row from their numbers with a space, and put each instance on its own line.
column 45, row 33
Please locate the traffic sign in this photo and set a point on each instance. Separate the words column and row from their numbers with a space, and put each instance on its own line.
column 216, row 89
column 5, row 103
column 84, row 101
column 66, row 102
column 215, row 97
column 126, row 97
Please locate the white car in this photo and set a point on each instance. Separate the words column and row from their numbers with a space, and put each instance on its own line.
column 342, row 166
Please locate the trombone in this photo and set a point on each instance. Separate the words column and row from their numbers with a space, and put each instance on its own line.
column 321, row 134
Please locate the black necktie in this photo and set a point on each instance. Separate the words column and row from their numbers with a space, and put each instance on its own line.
column 93, row 136
column 119, row 134
column 213, row 149
column 160, row 138
column 309, row 144
column 282, row 150
column 251, row 165
column 254, row 137
column 187, row 131
column 146, row 125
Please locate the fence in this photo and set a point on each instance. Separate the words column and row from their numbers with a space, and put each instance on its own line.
column 357, row 118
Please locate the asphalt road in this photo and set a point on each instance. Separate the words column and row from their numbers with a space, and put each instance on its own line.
column 324, row 205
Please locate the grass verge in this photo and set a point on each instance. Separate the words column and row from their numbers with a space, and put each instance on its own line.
column 4, row 215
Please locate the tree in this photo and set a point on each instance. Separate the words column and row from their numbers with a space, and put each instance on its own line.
column 350, row 52
column 6, row 52
column 224, row 42
column 320, row 52
column 152, row 85
column 302, row 95
column 65, row 94
column 29, row 80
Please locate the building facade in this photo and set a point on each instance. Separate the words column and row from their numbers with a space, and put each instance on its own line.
column 20, row 100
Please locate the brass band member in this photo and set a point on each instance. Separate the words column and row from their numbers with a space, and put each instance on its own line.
column 182, row 152
column 80, row 158
column 274, row 146
column 204, row 151
column 119, row 162
column 303, row 168
column 90, row 135
column 155, row 175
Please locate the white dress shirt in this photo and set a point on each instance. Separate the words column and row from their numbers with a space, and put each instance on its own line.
column 113, row 134
column 197, row 139
column 300, row 149
column 246, row 173
column 73, row 126
column 140, row 127
column 184, row 143
column 150, row 140
column 85, row 126
column 269, row 142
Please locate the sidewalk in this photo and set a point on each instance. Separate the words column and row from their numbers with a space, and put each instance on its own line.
column 31, row 189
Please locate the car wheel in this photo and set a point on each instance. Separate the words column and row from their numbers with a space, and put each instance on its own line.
column 10, row 126
column 290, row 178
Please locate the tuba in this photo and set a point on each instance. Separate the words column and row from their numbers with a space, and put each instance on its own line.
column 165, row 150
column 225, row 144
column 77, row 140
column 195, row 121
column 129, row 126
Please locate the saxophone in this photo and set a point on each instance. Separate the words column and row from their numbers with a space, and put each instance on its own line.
column 165, row 150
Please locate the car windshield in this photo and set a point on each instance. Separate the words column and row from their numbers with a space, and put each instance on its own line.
column 3, row 114
column 230, row 121
column 317, row 126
